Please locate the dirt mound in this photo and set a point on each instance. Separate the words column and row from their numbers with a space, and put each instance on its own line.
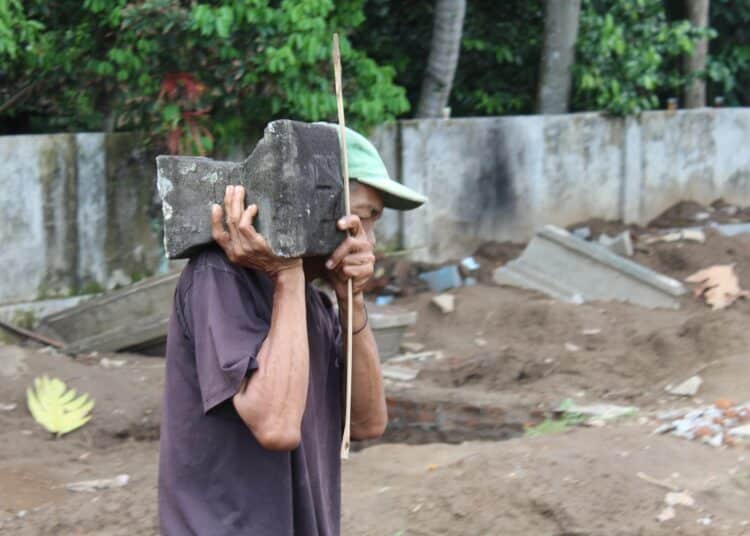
column 510, row 340
column 680, row 259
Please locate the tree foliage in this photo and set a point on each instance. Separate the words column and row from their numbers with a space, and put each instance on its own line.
column 628, row 55
column 102, row 63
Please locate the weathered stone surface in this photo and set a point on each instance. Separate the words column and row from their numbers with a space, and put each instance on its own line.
column 293, row 175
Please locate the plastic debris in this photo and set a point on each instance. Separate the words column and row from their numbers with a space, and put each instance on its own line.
column 384, row 300
column 442, row 279
column 718, row 285
column 99, row 484
column 716, row 425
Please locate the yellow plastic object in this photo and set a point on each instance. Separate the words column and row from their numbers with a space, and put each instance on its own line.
column 56, row 407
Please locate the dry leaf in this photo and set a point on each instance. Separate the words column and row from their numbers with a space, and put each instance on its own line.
column 718, row 285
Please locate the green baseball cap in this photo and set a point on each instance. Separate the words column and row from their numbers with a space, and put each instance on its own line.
column 366, row 166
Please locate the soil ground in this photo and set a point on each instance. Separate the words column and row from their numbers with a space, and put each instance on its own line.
column 534, row 350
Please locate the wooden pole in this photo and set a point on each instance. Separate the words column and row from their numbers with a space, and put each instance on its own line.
column 345, row 442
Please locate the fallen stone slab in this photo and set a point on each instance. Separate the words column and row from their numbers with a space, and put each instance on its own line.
column 293, row 175
column 134, row 318
column 575, row 271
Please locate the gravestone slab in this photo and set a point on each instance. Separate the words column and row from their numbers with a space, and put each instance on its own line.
column 293, row 175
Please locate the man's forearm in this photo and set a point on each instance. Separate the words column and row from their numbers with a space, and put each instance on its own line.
column 369, row 414
column 273, row 400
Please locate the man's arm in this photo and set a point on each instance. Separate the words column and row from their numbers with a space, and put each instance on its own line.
column 369, row 413
column 354, row 259
column 272, row 401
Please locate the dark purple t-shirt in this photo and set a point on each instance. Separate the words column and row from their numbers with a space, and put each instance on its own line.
column 214, row 477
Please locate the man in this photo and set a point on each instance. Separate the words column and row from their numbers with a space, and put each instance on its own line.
column 252, row 416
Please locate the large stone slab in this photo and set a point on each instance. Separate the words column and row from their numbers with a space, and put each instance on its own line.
column 573, row 270
column 293, row 175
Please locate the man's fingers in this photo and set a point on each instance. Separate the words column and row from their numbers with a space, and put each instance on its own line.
column 246, row 221
column 238, row 204
column 217, row 227
column 347, row 247
column 351, row 223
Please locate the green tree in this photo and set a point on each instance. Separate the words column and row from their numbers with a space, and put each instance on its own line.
column 628, row 55
column 210, row 69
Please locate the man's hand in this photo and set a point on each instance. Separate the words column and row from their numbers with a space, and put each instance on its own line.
column 353, row 259
column 241, row 243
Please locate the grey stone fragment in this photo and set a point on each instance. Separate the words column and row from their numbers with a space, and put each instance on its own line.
column 687, row 388
column 570, row 269
column 293, row 175
column 620, row 244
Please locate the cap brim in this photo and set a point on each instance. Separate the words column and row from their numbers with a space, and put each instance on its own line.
column 395, row 195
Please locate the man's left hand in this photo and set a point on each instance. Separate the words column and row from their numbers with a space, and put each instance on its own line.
column 353, row 259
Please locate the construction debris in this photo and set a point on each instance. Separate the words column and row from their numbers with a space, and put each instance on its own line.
column 718, row 285
column 689, row 387
column 399, row 374
column 445, row 302
column 621, row 244
column 91, row 486
column 442, row 279
column 573, row 270
column 693, row 234
column 715, row 425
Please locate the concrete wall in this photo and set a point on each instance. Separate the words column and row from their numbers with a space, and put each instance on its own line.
column 78, row 213
column 499, row 178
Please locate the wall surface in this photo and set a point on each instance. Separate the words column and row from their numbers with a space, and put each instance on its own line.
column 499, row 178
column 79, row 211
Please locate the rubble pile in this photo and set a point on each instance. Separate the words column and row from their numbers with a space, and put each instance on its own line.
column 721, row 423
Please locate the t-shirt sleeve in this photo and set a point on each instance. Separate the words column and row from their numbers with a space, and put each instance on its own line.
column 226, row 330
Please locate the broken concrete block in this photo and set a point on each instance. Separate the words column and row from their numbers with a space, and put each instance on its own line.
column 445, row 302
column 388, row 325
column 570, row 269
column 687, row 388
column 442, row 279
column 293, row 175
column 620, row 244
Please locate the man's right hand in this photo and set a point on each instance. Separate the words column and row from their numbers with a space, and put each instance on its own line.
column 241, row 243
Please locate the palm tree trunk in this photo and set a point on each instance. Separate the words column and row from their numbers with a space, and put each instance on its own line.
column 695, row 92
column 444, row 50
column 561, row 19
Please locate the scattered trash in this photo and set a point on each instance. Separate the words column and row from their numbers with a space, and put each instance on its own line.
column 692, row 234
column 384, row 299
column 111, row 363
column 469, row 265
column 657, row 482
column 445, row 302
column 621, row 244
column 601, row 414
column 442, row 279
column 705, row 521
column 7, row 407
column 666, row 515
column 422, row 356
column 91, row 486
column 679, row 498
column 570, row 347
column 593, row 331
column 412, row 347
column 583, row 233
column 718, row 285
column 400, row 374
column 712, row 425
column 733, row 229
column 701, row 216
column 56, row 407
column 689, row 387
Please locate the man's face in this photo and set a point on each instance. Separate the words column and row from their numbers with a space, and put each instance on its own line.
column 367, row 203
